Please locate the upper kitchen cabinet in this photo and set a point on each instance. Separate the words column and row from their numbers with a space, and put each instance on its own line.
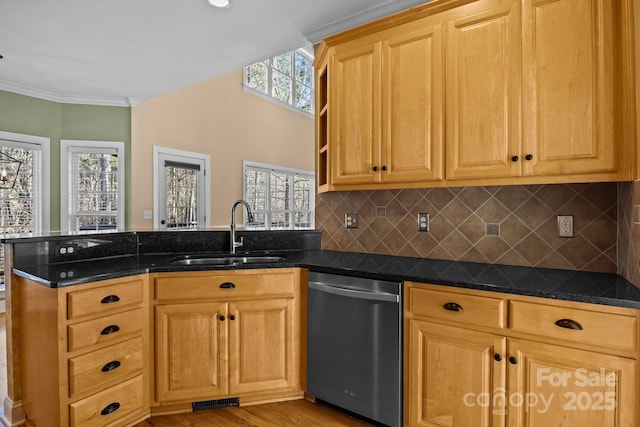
column 461, row 92
column 483, row 91
column 385, row 104
column 574, row 88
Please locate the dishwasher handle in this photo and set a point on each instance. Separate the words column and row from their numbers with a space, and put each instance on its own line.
column 345, row 292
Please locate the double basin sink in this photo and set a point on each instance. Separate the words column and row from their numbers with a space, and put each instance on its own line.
column 226, row 260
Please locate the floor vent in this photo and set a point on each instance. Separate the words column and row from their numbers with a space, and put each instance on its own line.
column 212, row 404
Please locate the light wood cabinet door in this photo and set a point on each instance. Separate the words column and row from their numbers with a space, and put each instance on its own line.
column 452, row 375
column 569, row 100
column 412, row 105
column 262, row 355
column 355, row 110
column 552, row 385
column 483, row 92
column 191, row 351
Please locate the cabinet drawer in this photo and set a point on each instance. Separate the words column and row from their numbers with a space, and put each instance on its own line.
column 103, row 299
column 224, row 286
column 104, row 329
column 600, row 329
column 108, row 406
column 99, row 368
column 456, row 307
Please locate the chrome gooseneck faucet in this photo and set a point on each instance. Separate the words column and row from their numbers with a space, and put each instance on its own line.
column 233, row 244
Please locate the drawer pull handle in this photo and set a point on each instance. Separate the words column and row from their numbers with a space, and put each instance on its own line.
column 222, row 318
column 513, row 360
column 452, row 306
column 497, row 357
column 232, row 317
column 115, row 364
column 109, row 299
column 569, row 324
column 110, row 408
column 227, row 285
column 111, row 329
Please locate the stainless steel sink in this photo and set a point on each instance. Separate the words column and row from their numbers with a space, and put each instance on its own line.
column 226, row 260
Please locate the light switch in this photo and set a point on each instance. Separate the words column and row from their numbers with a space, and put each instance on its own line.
column 146, row 214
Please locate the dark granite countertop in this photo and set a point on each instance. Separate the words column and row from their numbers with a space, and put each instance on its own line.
column 597, row 288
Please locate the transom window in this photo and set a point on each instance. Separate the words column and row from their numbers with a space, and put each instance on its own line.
column 287, row 77
column 280, row 198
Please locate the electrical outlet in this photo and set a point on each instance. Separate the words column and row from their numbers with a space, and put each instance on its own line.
column 146, row 214
column 565, row 225
column 351, row 220
column 423, row 222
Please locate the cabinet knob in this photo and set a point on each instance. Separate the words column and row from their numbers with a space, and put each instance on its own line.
column 375, row 169
column 452, row 306
column 110, row 299
column 569, row 324
column 232, row 317
column 497, row 357
column 384, row 168
column 513, row 360
column 111, row 329
column 515, row 158
column 110, row 408
column 222, row 318
column 529, row 157
column 114, row 364
column 227, row 285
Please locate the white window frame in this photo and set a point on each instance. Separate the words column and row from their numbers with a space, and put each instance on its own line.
column 280, row 169
column 71, row 145
column 158, row 170
column 269, row 97
column 42, row 144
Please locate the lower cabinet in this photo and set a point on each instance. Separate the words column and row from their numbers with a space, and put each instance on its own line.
column 548, row 383
column 84, row 356
column 482, row 359
column 452, row 374
column 240, row 336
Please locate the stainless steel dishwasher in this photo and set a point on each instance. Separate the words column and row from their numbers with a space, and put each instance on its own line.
column 354, row 353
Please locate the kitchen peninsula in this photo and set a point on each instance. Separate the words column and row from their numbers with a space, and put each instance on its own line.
column 140, row 270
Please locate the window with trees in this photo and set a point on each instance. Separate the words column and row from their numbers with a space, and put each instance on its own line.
column 280, row 198
column 92, row 172
column 287, row 77
column 24, row 209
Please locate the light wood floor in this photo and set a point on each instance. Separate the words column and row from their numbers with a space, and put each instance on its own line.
column 296, row 413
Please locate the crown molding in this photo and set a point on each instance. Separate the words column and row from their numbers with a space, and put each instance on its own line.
column 371, row 14
column 68, row 99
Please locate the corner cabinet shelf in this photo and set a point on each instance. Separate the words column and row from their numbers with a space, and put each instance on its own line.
column 322, row 121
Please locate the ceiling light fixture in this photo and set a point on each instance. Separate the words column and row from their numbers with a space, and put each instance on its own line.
column 220, row 3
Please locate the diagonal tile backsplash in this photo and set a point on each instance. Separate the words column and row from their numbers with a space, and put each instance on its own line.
column 514, row 225
column 629, row 231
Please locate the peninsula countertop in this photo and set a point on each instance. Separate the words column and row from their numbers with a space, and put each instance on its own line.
column 589, row 287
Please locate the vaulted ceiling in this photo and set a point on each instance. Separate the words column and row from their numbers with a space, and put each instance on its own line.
column 122, row 52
